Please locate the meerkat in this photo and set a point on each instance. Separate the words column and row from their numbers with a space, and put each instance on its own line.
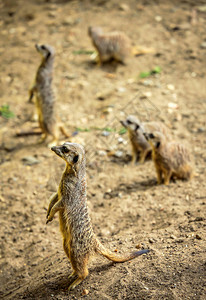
column 79, row 240
column 45, row 100
column 113, row 45
column 136, row 129
column 171, row 159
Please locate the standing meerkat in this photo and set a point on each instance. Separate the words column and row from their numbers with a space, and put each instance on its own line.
column 79, row 240
column 45, row 100
column 171, row 159
column 113, row 45
column 136, row 129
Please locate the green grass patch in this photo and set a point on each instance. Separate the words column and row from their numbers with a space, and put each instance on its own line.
column 5, row 112
column 80, row 52
column 155, row 70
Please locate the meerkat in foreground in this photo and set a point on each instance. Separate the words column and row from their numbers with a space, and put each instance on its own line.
column 113, row 45
column 136, row 129
column 79, row 240
column 45, row 100
column 171, row 159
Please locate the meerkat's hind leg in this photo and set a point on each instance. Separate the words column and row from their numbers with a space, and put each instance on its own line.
column 72, row 274
column 98, row 60
column 63, row 131
column 167, row 176
column 143, row 156
column 80, row 269
column 78, row 280
column 42, row 138
column 134, row 156
column 159, row 175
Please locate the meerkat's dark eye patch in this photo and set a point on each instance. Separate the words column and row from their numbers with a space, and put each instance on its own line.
column 65, row 149
column 157, row 145
column 151, row 136
column 129, row 122
column 137, row 127
column 43, row 47
column 146, row 136
column 76, row 158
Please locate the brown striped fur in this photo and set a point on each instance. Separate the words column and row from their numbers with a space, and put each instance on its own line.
column 136, row 129
column 113, row 45
column 79, row 240
column 45, row 99
column 171, row 159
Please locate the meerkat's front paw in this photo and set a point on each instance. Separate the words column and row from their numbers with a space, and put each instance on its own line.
column 49, row 219
column 48, row 212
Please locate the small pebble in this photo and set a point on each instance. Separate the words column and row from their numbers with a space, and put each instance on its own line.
column 124, row 7
column 148, row 82
column 170, row 87
column 158, row 18
column 85, row 292
column 203, row 45
column 121, row 140
column 30, row 160
column 102, row 153
column 118, row 154
column 105, row 133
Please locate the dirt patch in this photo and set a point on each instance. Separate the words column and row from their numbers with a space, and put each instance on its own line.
column 126, row 205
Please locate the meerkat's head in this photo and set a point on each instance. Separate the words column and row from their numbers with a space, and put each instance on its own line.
column 72, row 153
column 132, row 123
column 94, row 30
column 155, row 139
column 45, row 50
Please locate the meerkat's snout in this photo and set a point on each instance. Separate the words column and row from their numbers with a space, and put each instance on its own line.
column 38, row 47
column 57, row 150
column 123, row 123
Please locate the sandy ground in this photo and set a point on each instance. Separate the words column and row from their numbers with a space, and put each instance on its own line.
column 127, row 207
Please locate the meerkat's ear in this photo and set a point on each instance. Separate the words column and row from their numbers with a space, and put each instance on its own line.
column 75, row 159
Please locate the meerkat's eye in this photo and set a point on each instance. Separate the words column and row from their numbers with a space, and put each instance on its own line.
column 65, row 149
column 43, row 47
column 129, row 122
column 151, row 136
column 75, row 159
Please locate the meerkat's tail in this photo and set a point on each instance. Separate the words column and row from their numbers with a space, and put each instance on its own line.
column 115, row 257
column 138, row 50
